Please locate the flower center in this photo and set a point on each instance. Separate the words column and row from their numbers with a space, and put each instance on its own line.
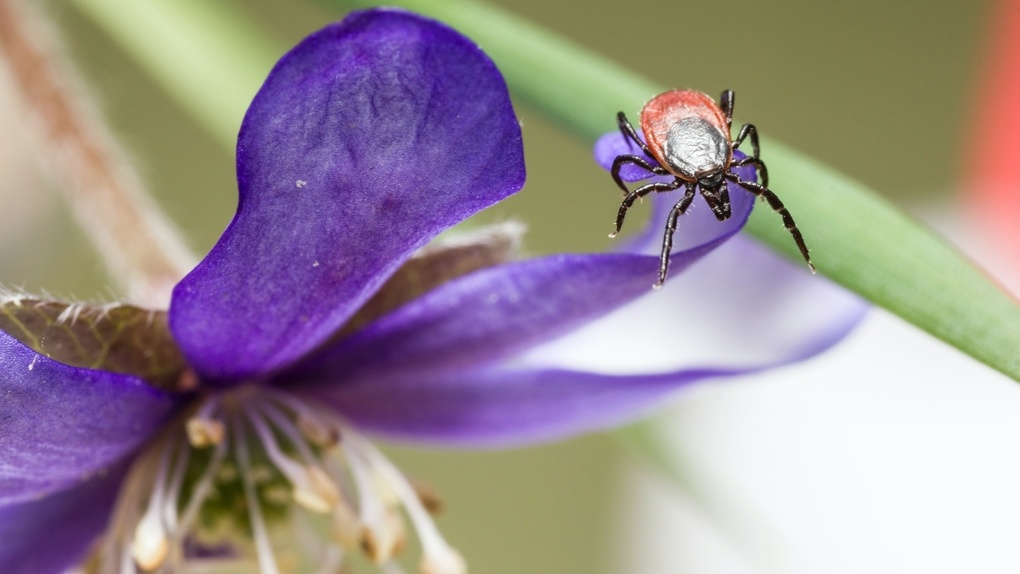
column 253, row 460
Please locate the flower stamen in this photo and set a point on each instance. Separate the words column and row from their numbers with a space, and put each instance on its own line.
column 382, row 490
column 391, row 567
column 313, row 489
column 203, row 428
column 151, row 543
column 346, row 526
column 263, row 550
column 438, row 557
column 287, row 427
column 174, row 490
column 202, row 489
column 314, row 427
column 383, row 531
column 274, row 464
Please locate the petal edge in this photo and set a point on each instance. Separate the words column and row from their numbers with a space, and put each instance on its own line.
column 59, row 423
column 367, row 139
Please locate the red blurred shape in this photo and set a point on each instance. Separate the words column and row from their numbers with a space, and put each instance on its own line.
column 992, row 168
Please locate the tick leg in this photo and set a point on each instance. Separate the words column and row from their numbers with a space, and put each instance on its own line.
column 748, row 130
column 667, row 240
column 763, row 172
column 726, row 103
column 641, row 192
column 637, row 160
column 777, row 205
column 630, row 133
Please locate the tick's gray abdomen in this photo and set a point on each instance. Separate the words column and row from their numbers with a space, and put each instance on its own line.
column 695, row 146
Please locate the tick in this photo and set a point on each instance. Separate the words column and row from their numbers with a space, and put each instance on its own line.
column 689, row 136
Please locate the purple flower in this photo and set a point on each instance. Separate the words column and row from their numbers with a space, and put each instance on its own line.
column 321, row 313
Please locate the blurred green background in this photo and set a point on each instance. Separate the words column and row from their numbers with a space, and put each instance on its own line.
column 880, row 90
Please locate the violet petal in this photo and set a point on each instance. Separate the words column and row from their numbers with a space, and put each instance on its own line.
column 613, row 144
column 597, row 377
column 367, row 139
column 742, row 310
column 60, row 423
column 743, row 307
column 53, row 533
column 518, row 404
column 499, row 311
column 498, row 408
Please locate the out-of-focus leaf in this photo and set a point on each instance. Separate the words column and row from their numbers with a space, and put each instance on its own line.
column 118, row 338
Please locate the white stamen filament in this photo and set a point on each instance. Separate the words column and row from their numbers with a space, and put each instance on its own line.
column 114, row 554
column 313, row 488
column 321, row 432
column 382, row 536
column 202, row 488
column 367, row 464
column 391, row 567
column 332, row 561
column 127, row 563
column 438, row 557
column 286, row 426
column 151, row 544
column 267, row 563
column 328, row 557
column 174, row 490
column 346, row 528
column 322, row 436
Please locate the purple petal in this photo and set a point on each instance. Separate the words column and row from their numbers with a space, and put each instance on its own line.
column 53, row 533
column 520, row 405
column 367, row 139
column 487, row 315
column 614, row 144
column 743, row 307
column 531, row 399
column 742, row 310
column 499, row 311
column 60, row 423
column 494, row 408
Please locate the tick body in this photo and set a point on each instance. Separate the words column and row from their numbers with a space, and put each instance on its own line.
column 688, row 134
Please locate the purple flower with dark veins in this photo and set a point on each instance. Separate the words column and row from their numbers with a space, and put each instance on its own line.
column 134, row 440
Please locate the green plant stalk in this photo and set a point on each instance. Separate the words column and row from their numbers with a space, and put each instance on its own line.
column 209, row 58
